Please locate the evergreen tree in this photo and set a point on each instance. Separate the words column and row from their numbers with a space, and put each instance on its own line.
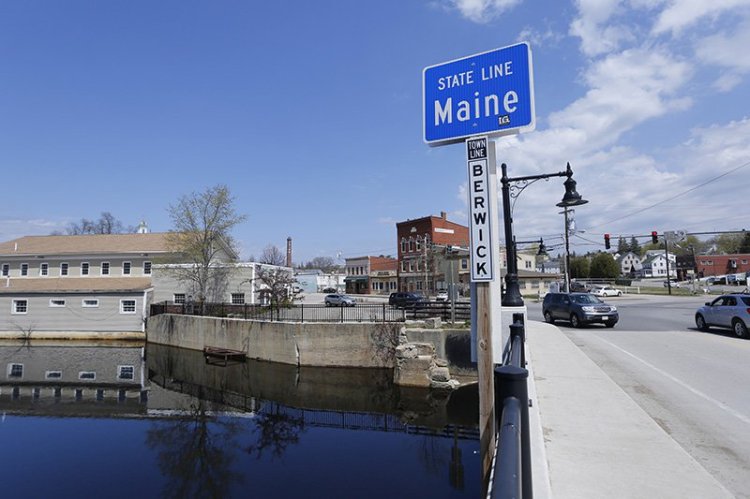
column 745, row 244
column 635, row 247
column 622, row 246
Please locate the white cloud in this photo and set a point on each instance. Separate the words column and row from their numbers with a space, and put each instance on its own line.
column 682, row 14
column 728, row 50
column 14, row 228
column 481, row 11
column 596, row 36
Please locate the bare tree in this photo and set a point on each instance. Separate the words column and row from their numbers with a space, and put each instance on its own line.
column 202, row 224
column 278, row 284
column 272, row 256
column 106, row 224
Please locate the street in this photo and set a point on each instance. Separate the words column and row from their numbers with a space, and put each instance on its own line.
column 692, row 383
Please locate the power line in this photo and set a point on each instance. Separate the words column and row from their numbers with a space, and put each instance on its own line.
column 675, row 196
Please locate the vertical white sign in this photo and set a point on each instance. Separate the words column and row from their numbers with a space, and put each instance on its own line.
column 480, row 209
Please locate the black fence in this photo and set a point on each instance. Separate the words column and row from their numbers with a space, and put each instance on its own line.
column 362, row 312
column 512, row 474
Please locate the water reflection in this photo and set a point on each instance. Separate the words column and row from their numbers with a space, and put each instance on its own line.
column 186, row 428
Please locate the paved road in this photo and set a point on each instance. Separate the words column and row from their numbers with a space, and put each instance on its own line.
column 693, row 384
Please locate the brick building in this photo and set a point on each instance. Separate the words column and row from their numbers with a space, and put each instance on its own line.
column 371, row 275
column 422, row 263
column 711, row 265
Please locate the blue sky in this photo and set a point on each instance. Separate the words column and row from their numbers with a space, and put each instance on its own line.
column 312, row 113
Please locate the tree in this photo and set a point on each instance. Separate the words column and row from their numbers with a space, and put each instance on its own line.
column 745, row 244
column 728, row 244
column 272, row 255
column 579, row 267
column 635, row 247
column 622, row 246
column 106, row 224
column 324, row 263
column 202, row 224
column 278, row 285
column 603, row 265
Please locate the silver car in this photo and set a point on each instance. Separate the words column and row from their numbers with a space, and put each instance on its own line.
column 336, row 300
column 727, row 311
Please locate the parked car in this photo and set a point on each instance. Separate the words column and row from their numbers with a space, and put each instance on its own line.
column 605, row 291
column 727, row 311
column 337, row 300
column 402, row 299
column 578, row 308
column 330, row 290
column 674, row 283
column 578, row 287
column 441, row 295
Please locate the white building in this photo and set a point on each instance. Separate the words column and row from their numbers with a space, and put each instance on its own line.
column 655, row 264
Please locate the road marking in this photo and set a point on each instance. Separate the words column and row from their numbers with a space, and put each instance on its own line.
column 699, row 393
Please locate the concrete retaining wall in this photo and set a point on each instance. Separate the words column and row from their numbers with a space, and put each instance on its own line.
column 310, row 344
column 306, row 344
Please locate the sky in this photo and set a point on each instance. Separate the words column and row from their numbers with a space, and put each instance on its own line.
column 311, row 113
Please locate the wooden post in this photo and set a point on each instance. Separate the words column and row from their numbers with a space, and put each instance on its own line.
column 485, row 375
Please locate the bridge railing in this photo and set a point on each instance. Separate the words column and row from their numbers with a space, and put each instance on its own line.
column 511, row 475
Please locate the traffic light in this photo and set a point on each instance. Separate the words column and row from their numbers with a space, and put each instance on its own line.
column 606, row 241
column 654, row 237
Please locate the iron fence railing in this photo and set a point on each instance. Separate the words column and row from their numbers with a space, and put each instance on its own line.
column 362, row 312
column 511, row 477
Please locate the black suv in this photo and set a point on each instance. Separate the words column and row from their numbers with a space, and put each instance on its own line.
column 405, row 299
column 579, row 309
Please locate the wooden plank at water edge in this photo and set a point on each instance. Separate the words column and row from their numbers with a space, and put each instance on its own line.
column 222, row 356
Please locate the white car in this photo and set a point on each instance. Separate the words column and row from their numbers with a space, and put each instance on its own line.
column 606, row 291
column 441, row 296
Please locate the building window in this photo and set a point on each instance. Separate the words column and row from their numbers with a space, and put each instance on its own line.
column 24, row 269
column 44, row 269
column 178, row 298
column 105, row 268
column 6, row 269
column 403, row 245
column 90, row 303
column 411, row 244
column 238, row 298
column 20, row 306
column 464, row 264
column 125, row 268
column 411, row 266
column 15, row 370
column 56, row 302
column 127, row 306
column 125, row 372
column 85, row 268
column 146, row 268
column 419, row 243
column 53, row 375
column 63, row 269
column 87, row 375
column 403, row 265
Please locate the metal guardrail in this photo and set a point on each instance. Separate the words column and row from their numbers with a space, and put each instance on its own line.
column 511, row 477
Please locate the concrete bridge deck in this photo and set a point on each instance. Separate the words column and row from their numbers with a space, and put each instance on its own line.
column 591, row 440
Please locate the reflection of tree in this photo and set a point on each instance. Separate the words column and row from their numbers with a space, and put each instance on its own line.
column 196, row 453
column 275, row 432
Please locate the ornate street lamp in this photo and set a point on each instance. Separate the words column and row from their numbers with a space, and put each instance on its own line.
column 512, row 296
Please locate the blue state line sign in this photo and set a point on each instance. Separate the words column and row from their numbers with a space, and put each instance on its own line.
column 491, row 93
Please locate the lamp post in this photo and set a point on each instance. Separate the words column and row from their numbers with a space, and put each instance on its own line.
column 512, row 296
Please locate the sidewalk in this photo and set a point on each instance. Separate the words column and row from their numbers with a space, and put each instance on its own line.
column 597, row 441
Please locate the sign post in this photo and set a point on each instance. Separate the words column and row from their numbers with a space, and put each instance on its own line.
column 471, row 99
column 482, row 250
